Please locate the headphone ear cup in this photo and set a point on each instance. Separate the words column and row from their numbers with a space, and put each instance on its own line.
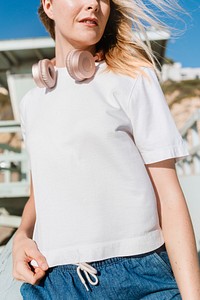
column 44, row 74
column 80, row 64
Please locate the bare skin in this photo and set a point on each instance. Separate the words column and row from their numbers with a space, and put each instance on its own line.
column 25, row 249
column 70, row 29
column 177, row 228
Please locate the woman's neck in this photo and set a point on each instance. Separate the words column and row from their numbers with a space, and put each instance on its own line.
column 63, row 48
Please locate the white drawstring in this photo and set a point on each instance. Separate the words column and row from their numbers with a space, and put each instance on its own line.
column 87, row 269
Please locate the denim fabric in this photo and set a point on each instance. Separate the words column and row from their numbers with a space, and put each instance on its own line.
column 147, row 277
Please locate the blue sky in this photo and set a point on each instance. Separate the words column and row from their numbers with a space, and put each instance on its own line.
column 21, row 21
column 185, row 47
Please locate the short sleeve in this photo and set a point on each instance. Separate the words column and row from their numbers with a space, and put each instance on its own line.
column 154, row 131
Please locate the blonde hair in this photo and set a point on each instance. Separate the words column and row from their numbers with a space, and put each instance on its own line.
column 125, row 42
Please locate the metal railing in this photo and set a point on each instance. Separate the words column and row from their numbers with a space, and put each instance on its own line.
column 191, row 136
column 14, row 172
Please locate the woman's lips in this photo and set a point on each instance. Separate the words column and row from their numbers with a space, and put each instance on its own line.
column 89, row 21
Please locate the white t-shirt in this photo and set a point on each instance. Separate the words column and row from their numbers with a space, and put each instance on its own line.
column 88, row 143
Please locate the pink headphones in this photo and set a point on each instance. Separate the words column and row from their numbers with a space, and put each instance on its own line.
column 80, row 65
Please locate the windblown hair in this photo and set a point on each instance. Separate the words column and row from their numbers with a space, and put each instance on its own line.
column 125, row 42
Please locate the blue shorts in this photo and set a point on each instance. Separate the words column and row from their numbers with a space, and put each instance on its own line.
column 148, row 276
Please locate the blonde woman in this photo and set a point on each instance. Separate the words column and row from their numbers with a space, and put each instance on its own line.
column 105, row 209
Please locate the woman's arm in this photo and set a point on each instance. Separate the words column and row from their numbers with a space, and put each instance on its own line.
column 25, row 249
column 177, row 228
column 28, row 218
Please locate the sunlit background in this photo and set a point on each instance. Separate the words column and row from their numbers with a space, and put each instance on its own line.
column 24, row 41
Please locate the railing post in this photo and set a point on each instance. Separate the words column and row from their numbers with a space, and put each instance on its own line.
column 191, row 137
column 195, row 135
column 196, row 162
column 24, row 166
column 7, row 173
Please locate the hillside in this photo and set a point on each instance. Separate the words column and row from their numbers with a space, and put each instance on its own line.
column 7, row 114
column 183, row 99
column 5, row 106
column 181, row 90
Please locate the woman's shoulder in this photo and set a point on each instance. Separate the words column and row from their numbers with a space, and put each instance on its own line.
column 143, row 73
column 29, row 97
column 31, row 93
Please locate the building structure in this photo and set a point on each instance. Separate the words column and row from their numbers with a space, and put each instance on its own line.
column 176, row 72
column 18, row 56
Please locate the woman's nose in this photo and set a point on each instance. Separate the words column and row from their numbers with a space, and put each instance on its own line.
column 93, row 5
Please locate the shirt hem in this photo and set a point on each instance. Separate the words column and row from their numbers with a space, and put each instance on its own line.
column 98, row 252
column 178, row 152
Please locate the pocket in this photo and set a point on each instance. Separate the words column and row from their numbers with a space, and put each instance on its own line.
column 163, row 260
